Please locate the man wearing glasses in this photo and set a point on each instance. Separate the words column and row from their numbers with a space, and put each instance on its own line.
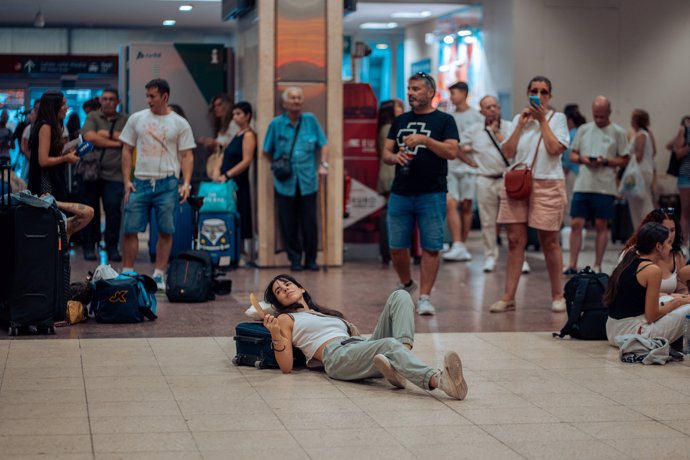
column 419, row 144
column 600, row 147
column 102, row 128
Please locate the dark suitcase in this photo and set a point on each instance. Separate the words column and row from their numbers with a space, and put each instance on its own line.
column 219, row 234
column 184, row 231
column 621, row 226
column 35, row 268
column 254, row 347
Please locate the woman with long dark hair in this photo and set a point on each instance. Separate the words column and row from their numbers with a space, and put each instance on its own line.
column 643, row 147
column 327, row 339
column 47, row 162
column 632, row 294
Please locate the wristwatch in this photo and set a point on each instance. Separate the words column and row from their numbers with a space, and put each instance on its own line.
column 324, row 164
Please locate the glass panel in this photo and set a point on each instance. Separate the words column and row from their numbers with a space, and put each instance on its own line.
column 301, row 40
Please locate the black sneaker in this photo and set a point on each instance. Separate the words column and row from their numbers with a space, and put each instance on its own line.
column 296, row 267
column 89, row 252
column 570, row 271
column 312, row 266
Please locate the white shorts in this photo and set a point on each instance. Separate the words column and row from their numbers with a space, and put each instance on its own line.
column 462, row 186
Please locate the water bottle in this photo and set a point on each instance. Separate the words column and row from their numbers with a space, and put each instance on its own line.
column 686, row 335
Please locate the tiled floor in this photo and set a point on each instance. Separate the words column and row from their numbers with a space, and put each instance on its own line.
column 530, row 396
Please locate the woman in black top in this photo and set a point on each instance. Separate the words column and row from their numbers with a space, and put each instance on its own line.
column 633, row 291
column 237, row 159
column 47, row 163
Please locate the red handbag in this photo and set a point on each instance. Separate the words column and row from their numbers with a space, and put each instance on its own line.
column 518, row 178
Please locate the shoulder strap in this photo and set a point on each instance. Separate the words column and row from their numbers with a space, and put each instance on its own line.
column 294, row 138
column 541, row 137
column 146, row 311
column 110, row 135
column 576, row 310
column 498, row 147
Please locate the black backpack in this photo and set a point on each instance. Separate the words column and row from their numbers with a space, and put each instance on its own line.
column 587, row 313
column 190, row 277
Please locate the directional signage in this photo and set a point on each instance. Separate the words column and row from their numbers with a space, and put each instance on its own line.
column 363, row 201
column 57, row 64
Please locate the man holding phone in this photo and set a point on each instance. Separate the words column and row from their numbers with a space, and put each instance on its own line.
column 600, row 146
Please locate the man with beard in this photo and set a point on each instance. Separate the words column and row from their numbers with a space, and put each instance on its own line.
column 419, row 144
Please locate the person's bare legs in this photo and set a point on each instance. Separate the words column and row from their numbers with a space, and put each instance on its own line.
column 685, row 213
column 163, row 248
column 429, row 269
column 551, row 247
column 401, row 264
column 130, row 247
column 576, row 226
column 81, row 216
column 517, row 240
column 466, row 219
column 602, row 227
column 453, row 219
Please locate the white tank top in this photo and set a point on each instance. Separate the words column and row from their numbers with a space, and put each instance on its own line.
column 311, row 331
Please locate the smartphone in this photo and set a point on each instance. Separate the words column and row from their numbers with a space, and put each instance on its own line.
column 534, row 101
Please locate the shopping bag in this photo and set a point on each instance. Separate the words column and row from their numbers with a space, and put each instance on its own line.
column 219, row 197
column 632, row 182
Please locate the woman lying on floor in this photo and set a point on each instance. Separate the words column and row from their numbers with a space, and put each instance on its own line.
column 326, row 338
column 633, row 290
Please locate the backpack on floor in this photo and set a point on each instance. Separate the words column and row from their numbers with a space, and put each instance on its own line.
column 587, row 313
column 129, row 298
column 190, row 277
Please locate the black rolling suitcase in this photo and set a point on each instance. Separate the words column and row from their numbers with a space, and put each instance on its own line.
column 34, row 268
column 254, row 347
column 621, row 226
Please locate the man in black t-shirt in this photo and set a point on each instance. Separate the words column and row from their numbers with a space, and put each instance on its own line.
column 419, row 144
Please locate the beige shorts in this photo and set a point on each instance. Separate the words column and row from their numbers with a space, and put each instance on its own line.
column 544, row 210
column 462, row 186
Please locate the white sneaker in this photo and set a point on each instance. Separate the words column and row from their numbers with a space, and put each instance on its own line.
column 160, row 282
column 558, row 306
column 457, row 253
column 384, row 366
column 525, row 267
column 410, row 289
column 446, row 247
column 424, row 307
column 489, row 264
column 450, row 379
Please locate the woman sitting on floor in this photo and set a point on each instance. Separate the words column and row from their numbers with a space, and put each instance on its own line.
column 633, row 290
column 326, row 338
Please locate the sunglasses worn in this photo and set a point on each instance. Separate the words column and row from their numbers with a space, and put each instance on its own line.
column 543, row 92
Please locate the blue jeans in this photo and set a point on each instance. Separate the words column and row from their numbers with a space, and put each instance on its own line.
column 158, row 194
column 427, row 210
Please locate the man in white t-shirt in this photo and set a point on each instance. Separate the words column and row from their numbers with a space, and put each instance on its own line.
column 164, row 144
column 600, row 146
column 481, row 150
column 461, row 179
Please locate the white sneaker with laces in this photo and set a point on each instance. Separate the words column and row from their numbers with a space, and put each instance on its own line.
column 384, row 366
column 558, row 306
column 525, row 267
column 410, row 289
column 489, row 264
column 424, row 307
column 457, row 253
column 450, row 379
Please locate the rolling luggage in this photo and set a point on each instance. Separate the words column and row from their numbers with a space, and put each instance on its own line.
column 35, row 266
column 184, row 230
column 219, row 235
column 254, row 347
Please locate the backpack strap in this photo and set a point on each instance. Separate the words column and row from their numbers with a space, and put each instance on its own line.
column 146, row 311
column 576, row 310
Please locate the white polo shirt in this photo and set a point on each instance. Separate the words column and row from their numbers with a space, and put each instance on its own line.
column 484, row 152
column 547, row 166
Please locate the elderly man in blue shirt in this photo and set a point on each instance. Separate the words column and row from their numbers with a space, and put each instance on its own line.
column 299, row 136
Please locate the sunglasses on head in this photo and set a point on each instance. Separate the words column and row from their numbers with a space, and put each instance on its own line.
column 670, row 211
column 535, row 91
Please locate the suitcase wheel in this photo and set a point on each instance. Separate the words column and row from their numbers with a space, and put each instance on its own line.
column 236, row 360
column 51, row 330
column 259, row 364
column 13, row 331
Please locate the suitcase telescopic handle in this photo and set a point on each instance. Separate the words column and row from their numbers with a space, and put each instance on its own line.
column 254, row 340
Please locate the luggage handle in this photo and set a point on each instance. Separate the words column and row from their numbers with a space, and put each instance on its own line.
column 254, row 340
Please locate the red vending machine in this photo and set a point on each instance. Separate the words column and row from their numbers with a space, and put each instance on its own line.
column 361, row 164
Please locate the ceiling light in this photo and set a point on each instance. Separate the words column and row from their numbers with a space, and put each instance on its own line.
column 411, row 14
column 464, row 33
column 39, row 20
column 470, row 40
column 429, row 38
column 448, row 39
column 379, row 25
column 169, row 22
column 185, row 8
column 382, row 46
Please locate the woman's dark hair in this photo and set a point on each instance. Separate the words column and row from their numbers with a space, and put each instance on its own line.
column 48, row 110
column 271, row 298
column 220, row 124
column 387, row 112
column 572, row 112
column 640, row 118
column 91, row 104
column 177, row 108
column 73, row 125
column 539, row 78
column 648, row 236
column 245, row 107
column 659, row 215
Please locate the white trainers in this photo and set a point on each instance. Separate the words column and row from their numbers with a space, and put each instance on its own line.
column 410, row 289
column 457, row 253
column 558, row 306
column 502, row 305
column 160, row 282
column 384, row 366
column 525, row 267
column 450, row 379
column 424, row 307
column 489, row 264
